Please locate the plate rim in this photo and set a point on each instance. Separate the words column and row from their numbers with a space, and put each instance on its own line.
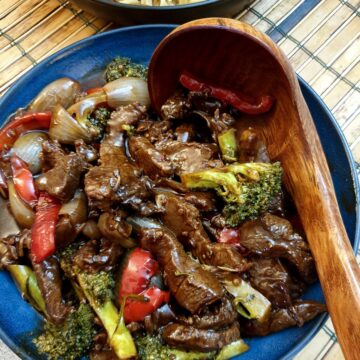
column 19, row 351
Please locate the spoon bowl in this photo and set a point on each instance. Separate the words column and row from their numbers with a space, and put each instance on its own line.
column 233, row 55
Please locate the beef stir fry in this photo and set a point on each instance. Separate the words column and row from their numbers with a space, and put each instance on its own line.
column 144, row 236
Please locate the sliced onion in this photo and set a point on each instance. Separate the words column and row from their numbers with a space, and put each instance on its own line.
column 62, row 91
column 28, row 148
column 127, row 90
column 66, row 129
column 82, row 109
column 76, row 208
column 22, row 213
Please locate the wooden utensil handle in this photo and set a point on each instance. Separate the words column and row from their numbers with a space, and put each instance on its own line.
column 336, row 265
column 237, row 56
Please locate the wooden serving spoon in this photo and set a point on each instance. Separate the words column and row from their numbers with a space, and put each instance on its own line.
column 234, row 55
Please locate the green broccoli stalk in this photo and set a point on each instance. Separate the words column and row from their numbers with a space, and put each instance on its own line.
column 26, row 281
column 152, row 348
column 122, row 66
column 228, row 145
column 248, row 189
column 98, row 289
column 248, row 302
column 70, row 340
column 231, row 350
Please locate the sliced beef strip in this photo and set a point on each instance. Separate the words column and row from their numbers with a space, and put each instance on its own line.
column 115, row 180
column 112, row 225
column 189, row 157
column 129, row 114
column 186, row 132
column 98, row 255
column 214, row 317
column 272, row 236
column 88, row 152
column 184, row 220
column 251, row 148
column 296, row 315
column 152, row 161
column 155, row 131
column 192, row 286
column 203, row 201
column 271, row 278
column 62, row 171
column 176, row 107
column 191, row 338
column 48, row 276
column 159, row 318
column 217, row 123
column 12, row 248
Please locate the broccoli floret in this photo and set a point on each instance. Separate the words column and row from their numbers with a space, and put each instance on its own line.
column 70, row 340
column 99, row 118
column 152, row 348
column 100, row 285
column 248, row 189
column 122, row 66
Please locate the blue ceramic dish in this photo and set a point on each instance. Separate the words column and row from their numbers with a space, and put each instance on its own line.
column 84, row 61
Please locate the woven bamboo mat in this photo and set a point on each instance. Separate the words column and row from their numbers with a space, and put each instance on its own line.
column 320, row 37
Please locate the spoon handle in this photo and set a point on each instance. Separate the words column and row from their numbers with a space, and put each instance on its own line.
column 237, row 56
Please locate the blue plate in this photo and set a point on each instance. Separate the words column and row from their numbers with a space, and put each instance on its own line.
column 84, row 61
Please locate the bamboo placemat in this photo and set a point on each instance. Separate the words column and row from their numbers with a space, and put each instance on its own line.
column 320, row 37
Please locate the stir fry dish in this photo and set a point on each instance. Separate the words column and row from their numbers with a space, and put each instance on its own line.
column 145, row 236
column 158, row 2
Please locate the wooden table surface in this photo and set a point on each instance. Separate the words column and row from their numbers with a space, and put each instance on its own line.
column 320, row 37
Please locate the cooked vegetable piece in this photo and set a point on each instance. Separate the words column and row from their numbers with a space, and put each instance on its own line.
column 249, row 303
column 121, row 340
column 236, row 99
column 23, row 180
column 65, row 129
column 248, row 189
column 98, row 295
column 151, row 347
column 62, row 91
column 136, row 310
column 70, row 340
column 27, row 284
column 234, row 349
column 140, row 266
column 28, row 148
column 20, row 124
column 122, row 66
column 228, row 145
column 43, row 229
column 22, row 213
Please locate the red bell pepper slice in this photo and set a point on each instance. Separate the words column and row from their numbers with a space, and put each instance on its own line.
column 138, row 271
column 94, row 90
column 136, row 310
column 236, row 99
column 43, row 229
column 229, row 236
column 31, row 121
column 23, row 180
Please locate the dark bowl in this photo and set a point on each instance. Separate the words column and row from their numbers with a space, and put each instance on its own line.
column 85, row 61
column 132, row 14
